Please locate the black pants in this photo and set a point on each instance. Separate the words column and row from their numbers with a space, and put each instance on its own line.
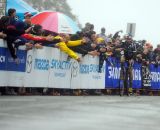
column 10, row 46
column 128, row 78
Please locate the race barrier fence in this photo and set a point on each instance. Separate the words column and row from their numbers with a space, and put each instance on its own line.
column 50, row 68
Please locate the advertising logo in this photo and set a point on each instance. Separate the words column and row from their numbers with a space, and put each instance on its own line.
column 29, row 64
column 2, row 59
column 75, row 69
column 41, row 64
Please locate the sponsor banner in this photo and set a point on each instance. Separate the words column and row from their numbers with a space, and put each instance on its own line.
column 11, row 64
column 48, row 67
column 60, row 70
column 155, row 76
column 3, row 78
column 137, row 79
column 3, row 58
column 146, row 77
column 113, row 75
column 15, row 79
column 37, row 67
column 85, row 74
column 8, row 64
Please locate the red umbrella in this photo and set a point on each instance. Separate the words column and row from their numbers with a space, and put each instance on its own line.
column 55, row 22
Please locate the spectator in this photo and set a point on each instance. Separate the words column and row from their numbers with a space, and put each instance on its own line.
column 63, row 44
column 20, row 41
column 157, row 50
column 87, row 28
column 27, row 20
column 4, row 21
column 103, row 35
column 12, row 16
column 11, row 34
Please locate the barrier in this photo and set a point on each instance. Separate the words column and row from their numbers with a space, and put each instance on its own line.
column 155, row 76
column 113, row 74
column 60, row 70
column 86, row 76
column 51, row 68
column 37, row 68
column 11, row 74
column 3, row 74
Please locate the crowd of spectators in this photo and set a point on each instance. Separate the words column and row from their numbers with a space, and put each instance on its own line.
column 87, row 41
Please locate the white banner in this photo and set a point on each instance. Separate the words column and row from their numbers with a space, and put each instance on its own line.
column 3, row 74
column 49, row 67
column 37, row 67
column 85, row 74
column 60, row 70
column 3, row 78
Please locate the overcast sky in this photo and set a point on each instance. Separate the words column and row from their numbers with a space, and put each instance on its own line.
column 115, row 14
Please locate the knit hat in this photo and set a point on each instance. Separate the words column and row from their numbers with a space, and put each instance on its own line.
column 27, row 14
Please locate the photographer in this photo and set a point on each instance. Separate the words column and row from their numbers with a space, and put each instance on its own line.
column 157, row 55
column 125, row 53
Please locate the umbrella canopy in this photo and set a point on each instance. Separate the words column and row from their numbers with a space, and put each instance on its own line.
column 21, row 8
column 55, row 22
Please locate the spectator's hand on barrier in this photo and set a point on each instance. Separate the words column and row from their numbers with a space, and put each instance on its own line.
column 2, row 35
column 97, row 53
column 29, row 46
column 49, row 38
column 103, row 50
column 56, row 46
column 79, row 60
column 38, row 46
column 65, row 38
column 85, row 40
